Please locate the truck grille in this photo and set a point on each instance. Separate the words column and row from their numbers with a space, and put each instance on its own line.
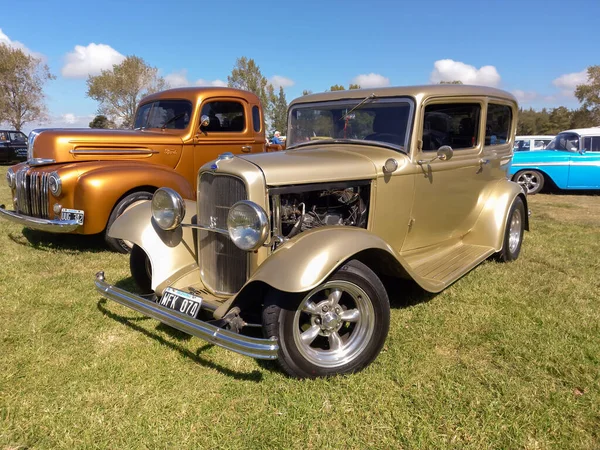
column 223, row 266
column 32, row 193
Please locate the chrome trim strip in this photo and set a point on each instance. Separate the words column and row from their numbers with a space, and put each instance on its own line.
column 116, row 151
column 566, row 163
column 245, row 345
column 200, row 227
column 55, row 226
column 40, row 161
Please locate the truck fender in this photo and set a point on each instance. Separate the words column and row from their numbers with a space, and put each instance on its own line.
column 171, row 253
column 492, row 221
column 99, row 190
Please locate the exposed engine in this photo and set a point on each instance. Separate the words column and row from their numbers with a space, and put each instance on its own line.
column 338, row 206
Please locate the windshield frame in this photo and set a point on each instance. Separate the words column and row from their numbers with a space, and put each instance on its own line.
column 158, row 100
column 351, row 103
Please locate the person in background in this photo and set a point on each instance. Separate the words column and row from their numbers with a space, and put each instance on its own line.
column 276, row 139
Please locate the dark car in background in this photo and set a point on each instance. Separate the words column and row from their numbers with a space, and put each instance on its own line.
column 13, row 146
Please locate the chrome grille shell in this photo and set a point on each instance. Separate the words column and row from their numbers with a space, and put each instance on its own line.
column 224, row 267
column 32, row 193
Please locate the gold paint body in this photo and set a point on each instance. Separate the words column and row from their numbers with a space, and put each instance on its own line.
column 99, row 167
column 431, row 222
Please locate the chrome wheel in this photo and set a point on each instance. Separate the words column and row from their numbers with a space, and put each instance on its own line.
column 532, row 181
column 334, row 324
column 515, row 231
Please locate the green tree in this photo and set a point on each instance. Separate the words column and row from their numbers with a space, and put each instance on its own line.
column 246, row 75
column 279, row 119
column 120, row 89
column 560, row 120
column 306, row 92
column 22, row 78
column 339, row 87
column 588, row 94
column 582, row 118
column 353, row 86
column 101, row 121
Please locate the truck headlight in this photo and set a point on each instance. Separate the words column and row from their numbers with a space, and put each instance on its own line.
column 11, row 178
column 248, row 225
column 54, row 184
column 168, row 208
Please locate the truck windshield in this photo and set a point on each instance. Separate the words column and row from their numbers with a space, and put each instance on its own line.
column 175, row 114
column 564, row 141
column 380, row 120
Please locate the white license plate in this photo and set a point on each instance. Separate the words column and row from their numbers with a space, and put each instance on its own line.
column 72, row 214
column 181, row 301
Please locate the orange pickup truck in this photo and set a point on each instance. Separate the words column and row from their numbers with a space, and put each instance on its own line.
column 80, row 180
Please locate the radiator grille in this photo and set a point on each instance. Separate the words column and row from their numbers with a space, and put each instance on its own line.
column 224, row 266
column 32, row 193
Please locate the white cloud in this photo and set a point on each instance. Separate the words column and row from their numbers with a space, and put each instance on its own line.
column 525, row 96
column 569, row 81
column 180, row 79
column 278, row 81
column 450, row 70
column 90, row 60
column 371, row 80
column 68, row 120
column 4, row 39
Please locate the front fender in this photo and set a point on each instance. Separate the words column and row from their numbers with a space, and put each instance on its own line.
column 98, row 190
column 172, row 253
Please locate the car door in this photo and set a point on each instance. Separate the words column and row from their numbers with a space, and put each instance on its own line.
column 584, row 166
column 446, row 200
column 229, row 129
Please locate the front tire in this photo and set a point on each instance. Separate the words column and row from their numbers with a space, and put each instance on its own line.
column 127, row 202
column 513, row 234
column 141, row 269
column 338, row 327
column 532, row 181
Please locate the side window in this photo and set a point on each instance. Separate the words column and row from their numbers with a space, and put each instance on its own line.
column 454, row 124
column 592, row 144
column 225, row 116
column 256, row 118
column 539, row 144
column 497, row 124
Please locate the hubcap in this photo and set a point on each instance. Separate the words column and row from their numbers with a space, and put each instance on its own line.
column 514, row 233
column 529, row 181
column 334, row 323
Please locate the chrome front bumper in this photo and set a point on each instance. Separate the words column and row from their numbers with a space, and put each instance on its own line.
column 248, row 346
column 36, row 223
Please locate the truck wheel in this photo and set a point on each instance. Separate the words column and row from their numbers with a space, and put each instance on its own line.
column 122, row 245
column 338, row 327
column 531, row 180
column 513, row 235
column 141, row 269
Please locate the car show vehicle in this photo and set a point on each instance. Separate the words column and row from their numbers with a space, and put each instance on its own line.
column 526, row 143
column 403, row 183
column 80, row 180
column 570, row 161
column 13, row 146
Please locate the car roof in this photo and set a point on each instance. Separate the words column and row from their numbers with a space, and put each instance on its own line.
column 404, row 91
column 593, row 131
column 195, row 94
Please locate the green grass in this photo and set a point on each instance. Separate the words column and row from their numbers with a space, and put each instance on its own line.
column 507, row 357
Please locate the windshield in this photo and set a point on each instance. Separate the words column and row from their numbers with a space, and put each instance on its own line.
column 376, row 120
column 173, row 114
column 564, row 141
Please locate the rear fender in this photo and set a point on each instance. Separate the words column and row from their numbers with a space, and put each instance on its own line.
column 172, row 253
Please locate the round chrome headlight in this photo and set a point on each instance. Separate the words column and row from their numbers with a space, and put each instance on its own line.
column 54, row 184
column 168, row 208
column 248, row 225
column 11, row 178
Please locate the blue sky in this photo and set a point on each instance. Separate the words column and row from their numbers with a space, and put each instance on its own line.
column 536, row 49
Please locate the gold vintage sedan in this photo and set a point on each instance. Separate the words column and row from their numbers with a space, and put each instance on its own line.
column 406, row 182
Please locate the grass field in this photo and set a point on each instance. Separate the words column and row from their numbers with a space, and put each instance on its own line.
column 507, row 357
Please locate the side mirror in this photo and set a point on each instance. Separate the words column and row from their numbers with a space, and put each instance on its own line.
column 445, row 153
column 204, row 120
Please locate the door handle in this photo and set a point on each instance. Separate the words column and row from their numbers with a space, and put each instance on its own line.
column 246, row 148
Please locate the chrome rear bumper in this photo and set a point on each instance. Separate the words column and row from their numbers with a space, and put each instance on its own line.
column 245, row 345
column 36, row 223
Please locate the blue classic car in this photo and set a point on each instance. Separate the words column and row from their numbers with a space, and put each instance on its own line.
column 570, row 161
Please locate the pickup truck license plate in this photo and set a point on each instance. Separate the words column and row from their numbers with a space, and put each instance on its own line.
column 181, row 301
column 72, row 214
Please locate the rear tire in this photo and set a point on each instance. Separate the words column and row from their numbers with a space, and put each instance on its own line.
column 338, row 327
column 513, row 234
column 121, row 245
column 141, row 269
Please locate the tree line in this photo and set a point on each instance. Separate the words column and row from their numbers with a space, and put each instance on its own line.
column 119, row 89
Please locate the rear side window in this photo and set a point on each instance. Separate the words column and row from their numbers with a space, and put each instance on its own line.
column 256, row 118
column 497, row 124
column 224, row 116
column 454, row 124
column 592, row 143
